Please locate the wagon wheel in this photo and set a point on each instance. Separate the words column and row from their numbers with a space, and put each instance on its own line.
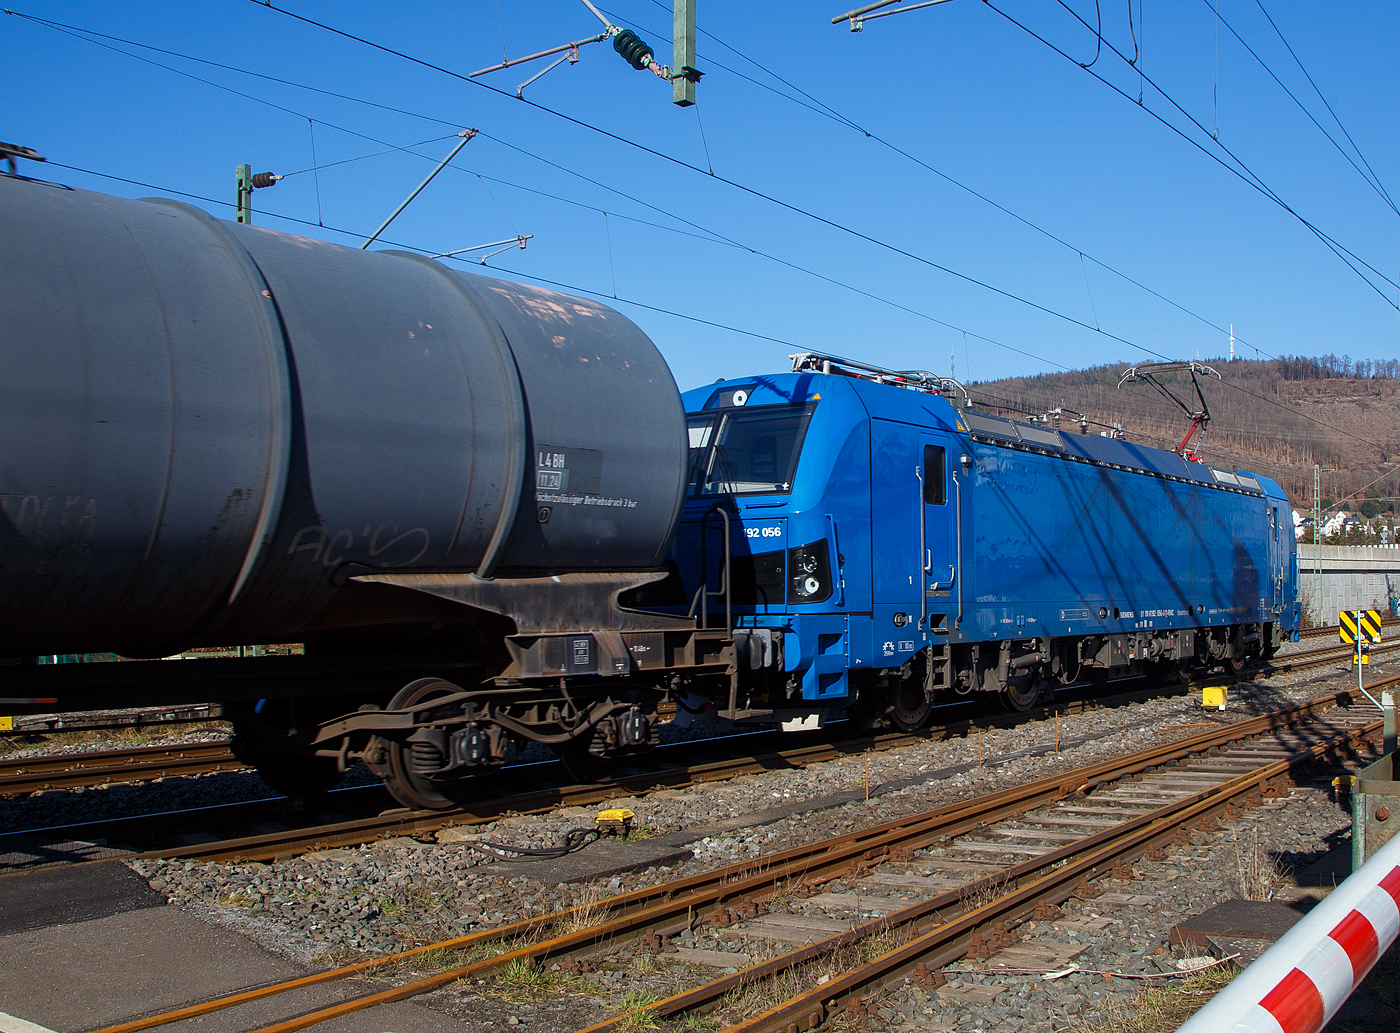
column 409, row 788
column 302, row 776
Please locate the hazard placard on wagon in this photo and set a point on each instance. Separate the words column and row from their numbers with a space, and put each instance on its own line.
column 1360, row 624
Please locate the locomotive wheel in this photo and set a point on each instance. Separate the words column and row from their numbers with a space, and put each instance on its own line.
column 912, row 708
column 405, row 785
column 1020, row 694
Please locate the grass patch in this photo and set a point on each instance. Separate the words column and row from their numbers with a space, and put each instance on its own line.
column 522, row 981
column 644, row 1017
column 588, row 908
column 1260, row 874
column 1163, row 1009
column 745, row 1001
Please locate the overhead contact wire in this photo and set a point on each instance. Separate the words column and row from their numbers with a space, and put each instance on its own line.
column 817, row 107
column 358, row 234
column 681, row 163
column 1243, row 172
column 1374, row 184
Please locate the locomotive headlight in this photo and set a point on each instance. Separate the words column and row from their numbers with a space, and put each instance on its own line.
column 809, row 573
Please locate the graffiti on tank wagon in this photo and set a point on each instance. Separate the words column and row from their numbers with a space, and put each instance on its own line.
column 384, row 545
column 37, row 531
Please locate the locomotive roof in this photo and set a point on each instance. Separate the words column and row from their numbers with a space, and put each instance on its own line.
column 912, row 403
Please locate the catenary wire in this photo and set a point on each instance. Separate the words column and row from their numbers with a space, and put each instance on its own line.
column 833, row 114
column 1372, row 183
column 80, row 34
column 1010, row 295
column 656, row 308
column 1322, row 98
column 373, row 154
column 759, row 194
column 740, row 187
column 817, row 106
column 706, row 234
column 359, row 235
column 1243, row 172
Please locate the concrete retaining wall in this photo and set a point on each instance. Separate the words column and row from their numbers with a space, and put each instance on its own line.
column 1344, row 577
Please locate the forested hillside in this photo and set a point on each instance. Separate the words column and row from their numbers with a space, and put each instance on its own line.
column 1275, row 417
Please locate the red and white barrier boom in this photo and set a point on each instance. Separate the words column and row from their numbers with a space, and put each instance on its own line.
column 1298, row 984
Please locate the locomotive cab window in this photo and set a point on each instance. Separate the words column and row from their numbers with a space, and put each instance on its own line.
column 747, row 451
column 935, row 475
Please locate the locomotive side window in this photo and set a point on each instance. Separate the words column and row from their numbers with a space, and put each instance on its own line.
column 699, row 429
column 935, row 475
column 747, row 451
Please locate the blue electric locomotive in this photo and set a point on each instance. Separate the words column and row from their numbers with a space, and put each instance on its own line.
column 877, row 545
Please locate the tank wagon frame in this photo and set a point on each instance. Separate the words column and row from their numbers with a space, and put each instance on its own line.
column 493, row 521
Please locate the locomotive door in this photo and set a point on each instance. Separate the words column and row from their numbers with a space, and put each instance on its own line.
column 938, row 558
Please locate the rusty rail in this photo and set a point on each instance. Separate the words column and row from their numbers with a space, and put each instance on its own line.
column 69, row 771
column 670, row 906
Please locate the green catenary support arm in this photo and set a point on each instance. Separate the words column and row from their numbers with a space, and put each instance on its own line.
column 245, row 194
column 683, row 53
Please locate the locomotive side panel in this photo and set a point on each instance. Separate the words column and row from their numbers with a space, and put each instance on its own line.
column 1058, row 543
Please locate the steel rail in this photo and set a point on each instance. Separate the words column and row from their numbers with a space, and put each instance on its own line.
column 287, row 843
column 670, row 906
column 72, row 770
column 948, row 941
column 150, row 762
column 275, row 845
column 280, row 845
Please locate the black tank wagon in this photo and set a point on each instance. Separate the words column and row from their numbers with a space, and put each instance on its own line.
column 221, row 434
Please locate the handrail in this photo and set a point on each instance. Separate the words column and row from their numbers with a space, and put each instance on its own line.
column 702, row 593
column 957, row 487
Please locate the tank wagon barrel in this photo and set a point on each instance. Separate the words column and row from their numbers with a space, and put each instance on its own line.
column 209, row 428
column 217, row 434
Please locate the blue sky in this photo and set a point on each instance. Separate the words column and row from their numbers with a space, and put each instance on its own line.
column 958, row 87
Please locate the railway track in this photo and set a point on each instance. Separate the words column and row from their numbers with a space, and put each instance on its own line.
column 73, row 770
column 968, row 874
column 149, row 762
column 673, row 768
column 679, row 765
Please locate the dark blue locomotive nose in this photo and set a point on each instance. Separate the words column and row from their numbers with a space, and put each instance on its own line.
column 208, row 426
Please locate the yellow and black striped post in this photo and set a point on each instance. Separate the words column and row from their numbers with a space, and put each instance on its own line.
column 1359, row 627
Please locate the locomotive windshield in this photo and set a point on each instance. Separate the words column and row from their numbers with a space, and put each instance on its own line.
column 746, row 451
